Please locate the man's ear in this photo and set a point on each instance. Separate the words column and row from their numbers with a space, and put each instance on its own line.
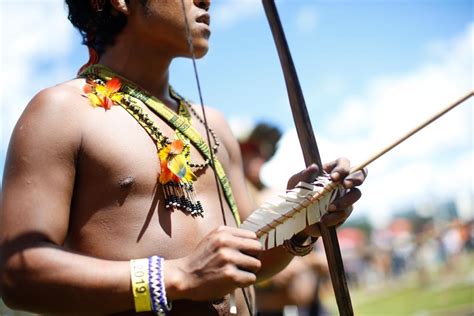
column 121, row 6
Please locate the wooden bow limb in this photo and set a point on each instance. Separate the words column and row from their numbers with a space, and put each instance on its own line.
column 310, row 153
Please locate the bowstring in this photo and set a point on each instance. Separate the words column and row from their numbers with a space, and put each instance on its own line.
column 189, row 39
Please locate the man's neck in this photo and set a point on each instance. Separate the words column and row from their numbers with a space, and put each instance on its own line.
column 148, row 69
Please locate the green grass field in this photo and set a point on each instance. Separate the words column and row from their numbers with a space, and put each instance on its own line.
column 447, row 292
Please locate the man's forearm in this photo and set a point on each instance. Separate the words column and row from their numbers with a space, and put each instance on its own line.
column 273, row 261
column 44, row 278
column 47, row 279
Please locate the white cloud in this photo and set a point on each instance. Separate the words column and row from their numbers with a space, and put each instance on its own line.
column 227, row 13
column 33, row 33
column 306, row 19
column 287, row 161
column 435, row 164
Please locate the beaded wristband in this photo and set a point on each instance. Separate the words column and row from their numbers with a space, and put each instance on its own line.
column 159, row 302
column 298, row 249
column 140, row 286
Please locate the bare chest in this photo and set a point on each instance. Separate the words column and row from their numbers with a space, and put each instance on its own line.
column 118, row 209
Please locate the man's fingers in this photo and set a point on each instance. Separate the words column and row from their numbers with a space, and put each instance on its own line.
column 307, row 175
column 243, row 244
column 250, row 247
column 355, row 179
column 239, row 239
column 338, row 169
column 336, row 218
column 241, row 277
column 237, row 232
column 242, row 261
column 246, row 262
column 341, row 208
column 346, row 200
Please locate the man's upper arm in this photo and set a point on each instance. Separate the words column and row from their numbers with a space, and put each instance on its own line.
column 40, row 168
column 244, row 201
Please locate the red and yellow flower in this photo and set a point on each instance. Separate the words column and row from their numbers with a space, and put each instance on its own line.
column 104, row 95
column 174, row 163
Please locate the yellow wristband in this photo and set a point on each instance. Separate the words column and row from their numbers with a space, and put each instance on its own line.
column 140, row 286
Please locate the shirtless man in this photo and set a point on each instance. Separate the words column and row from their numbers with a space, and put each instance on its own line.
column 81, row 195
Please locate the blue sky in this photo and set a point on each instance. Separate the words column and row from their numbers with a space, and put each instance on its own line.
column 369, row 71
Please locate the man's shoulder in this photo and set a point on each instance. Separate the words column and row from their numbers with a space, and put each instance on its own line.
column 212, row 113
column 53, row 112
column 215, row 117
column 219, row 123
column 62, row 105
column 61, row 97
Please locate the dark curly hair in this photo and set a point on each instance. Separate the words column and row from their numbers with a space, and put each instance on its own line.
column 98, row 28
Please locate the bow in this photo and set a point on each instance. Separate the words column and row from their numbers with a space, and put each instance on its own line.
column 310, row 153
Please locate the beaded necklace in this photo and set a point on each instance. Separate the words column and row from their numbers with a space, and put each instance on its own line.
column 184, row 108
column 176, row 168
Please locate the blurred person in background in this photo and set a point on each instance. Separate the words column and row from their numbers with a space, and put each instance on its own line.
column 298, row 284
column 258, row 147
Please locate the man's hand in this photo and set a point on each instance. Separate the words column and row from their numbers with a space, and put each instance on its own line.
column 224, row 260
column 341, row 208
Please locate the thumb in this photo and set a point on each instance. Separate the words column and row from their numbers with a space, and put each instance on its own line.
column 307, row 175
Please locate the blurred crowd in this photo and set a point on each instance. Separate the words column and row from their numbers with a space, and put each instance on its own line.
column 410, row 246
column 402, row 248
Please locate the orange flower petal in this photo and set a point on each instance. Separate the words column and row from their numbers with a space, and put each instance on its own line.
column 104, row 95
column 176, row 179
column 113, row 85
column 165, row 176
column 177, row 147
column 87, row 88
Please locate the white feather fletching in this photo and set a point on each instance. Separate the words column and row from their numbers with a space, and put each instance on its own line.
column 282, row 217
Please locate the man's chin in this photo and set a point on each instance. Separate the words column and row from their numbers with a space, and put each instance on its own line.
column 199, row 50
column 200, row 53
